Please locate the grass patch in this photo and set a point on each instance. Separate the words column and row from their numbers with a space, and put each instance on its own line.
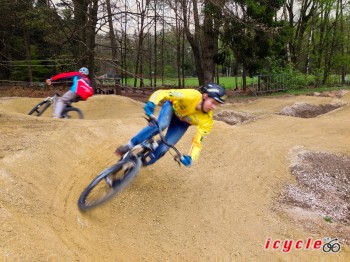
column 318, row 89
column 306, row 91
column 227, row 82
column 328, row 219
column 231, row 83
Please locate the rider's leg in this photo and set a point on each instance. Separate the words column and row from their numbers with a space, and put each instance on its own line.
column 62, row 102
column 164, row 118
column 176, row 130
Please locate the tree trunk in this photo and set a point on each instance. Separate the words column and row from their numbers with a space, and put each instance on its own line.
column 244, row 79
column 307, row 11
column 285, row 15
column 162, row 47
column 183, row 58
column 125, row 47
column 204, row 40
column 323, row 34
column 342, row 33
column 91, row 36
column 178, row 46
column 28, row 58
column 139, row 52
column 113, row 44
column 330, row 55
column 194, row 39
column 308, row 51
column 155, row 45
column 211, row 26
column 80, row 22
column 150, row 56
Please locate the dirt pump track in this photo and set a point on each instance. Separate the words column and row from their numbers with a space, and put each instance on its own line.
column 224, row 207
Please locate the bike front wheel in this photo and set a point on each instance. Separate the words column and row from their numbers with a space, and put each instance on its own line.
column 72, row 113
column 111, row 181
column 40, row 108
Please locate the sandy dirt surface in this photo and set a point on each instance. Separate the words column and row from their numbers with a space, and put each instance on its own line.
column 223, row 208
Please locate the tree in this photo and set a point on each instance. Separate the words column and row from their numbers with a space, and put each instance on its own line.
column 142, row 9
column 84, row 32
column 252, row 32
column 113, row 39
column 24, row 28
column 205, row 36
column 307, row 10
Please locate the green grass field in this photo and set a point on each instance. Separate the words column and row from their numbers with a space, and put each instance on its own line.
column 227, row 82
column 231, row 83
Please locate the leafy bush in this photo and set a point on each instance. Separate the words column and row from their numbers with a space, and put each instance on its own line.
column 299, row 81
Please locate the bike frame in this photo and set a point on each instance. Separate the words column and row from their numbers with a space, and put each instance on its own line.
column 149, row 145
column 52, row 100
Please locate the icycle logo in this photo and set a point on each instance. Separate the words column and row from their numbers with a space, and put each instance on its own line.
column 326, row 244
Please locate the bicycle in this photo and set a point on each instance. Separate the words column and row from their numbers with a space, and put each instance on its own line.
column 329, row 246
column 116, row 177
column 68, row 112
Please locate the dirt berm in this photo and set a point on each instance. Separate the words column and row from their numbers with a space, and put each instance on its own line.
column 225, row 207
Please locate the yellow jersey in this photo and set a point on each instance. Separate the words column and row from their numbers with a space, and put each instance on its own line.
column 184, row 102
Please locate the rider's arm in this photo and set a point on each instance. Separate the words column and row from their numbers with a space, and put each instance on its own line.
column 158, row 96
column 202, row 130
column 66, row 75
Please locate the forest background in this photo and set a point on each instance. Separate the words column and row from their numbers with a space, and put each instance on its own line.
column 156, row 42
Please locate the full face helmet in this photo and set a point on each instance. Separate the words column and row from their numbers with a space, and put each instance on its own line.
column 84, row 71
column 215, row 91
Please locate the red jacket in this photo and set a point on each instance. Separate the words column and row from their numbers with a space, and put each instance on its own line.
column 81, row 83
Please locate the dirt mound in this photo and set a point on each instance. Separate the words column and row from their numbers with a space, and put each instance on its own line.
column 305, row 110
column 96, row 107
column 233, row 118
column 335, row 94
column 322, row 186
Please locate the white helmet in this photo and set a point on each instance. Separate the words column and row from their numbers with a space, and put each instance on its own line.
column 84, row 71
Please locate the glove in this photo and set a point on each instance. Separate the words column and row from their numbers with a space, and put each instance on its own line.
column 186, row 160
column 149, row 108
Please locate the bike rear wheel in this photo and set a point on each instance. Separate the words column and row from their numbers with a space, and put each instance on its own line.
column 111, row 181
column 72, row 113
column 40, row 108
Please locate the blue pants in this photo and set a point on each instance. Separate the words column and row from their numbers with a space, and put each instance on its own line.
column 166, row 119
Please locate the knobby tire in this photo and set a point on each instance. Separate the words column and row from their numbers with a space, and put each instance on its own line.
column 87, row 200
column 40, row 108
column 67, row 110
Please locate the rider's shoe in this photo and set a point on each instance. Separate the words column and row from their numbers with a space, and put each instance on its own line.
column 121, row 150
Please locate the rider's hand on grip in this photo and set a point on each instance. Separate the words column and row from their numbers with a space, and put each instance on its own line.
column 186, row 160
column 149, row 108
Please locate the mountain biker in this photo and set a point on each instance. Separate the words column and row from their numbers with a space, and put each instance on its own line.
column 182, row 108
column 80, row 90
